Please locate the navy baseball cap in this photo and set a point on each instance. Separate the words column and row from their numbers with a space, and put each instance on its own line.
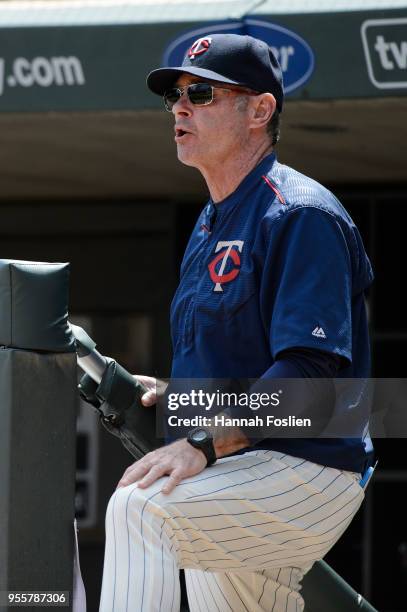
column 228, row 58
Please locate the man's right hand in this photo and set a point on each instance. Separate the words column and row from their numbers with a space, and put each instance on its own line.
column 155, row 387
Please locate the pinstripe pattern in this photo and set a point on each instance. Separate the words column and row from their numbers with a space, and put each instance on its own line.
column 245, row 530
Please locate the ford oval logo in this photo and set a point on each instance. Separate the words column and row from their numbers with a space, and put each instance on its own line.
column 293, row 52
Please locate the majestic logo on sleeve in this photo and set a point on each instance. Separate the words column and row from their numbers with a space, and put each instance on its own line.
column 200, row 46
column 319, row 332
column 218, row 265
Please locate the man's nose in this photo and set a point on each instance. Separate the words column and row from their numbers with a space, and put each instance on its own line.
column 182, row 106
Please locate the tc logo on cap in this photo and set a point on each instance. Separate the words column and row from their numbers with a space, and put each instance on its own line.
column 200, row 46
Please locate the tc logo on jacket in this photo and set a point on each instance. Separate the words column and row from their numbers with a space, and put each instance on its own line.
column 219, row 277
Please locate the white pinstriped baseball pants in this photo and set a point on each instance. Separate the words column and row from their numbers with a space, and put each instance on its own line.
column 245, row 530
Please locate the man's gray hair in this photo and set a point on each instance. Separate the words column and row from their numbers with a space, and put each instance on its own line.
column 274, row 127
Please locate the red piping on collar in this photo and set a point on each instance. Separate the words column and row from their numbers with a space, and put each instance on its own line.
column 274, row 188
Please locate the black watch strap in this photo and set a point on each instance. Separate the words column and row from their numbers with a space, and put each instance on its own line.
column 201, row 438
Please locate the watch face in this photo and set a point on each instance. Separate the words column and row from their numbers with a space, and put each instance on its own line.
column 199, row 436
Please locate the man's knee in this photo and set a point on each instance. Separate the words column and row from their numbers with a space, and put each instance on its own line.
column 121, row 502
column 132, row 501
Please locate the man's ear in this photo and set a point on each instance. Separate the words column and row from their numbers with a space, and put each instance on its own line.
column 263, row 109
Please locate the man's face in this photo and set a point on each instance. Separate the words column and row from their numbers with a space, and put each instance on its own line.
column 208, row 135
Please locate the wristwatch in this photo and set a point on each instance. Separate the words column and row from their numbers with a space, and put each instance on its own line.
column 201, row 438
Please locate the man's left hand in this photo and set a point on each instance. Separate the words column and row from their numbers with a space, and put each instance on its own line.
column 178, row 460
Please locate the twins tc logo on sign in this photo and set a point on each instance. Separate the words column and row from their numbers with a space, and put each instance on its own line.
column 218, row 265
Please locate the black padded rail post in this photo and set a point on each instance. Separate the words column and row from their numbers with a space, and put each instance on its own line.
column 38, row 405
column 325, row 591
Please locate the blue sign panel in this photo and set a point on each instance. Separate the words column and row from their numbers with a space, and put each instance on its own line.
column 293, row 52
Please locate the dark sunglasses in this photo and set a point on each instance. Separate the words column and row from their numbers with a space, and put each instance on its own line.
column 199, row 94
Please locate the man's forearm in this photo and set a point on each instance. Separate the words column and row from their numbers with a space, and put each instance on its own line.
column 305, row 376
column 226, row 440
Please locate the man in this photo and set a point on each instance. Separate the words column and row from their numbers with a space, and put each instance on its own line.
column 272, row 287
